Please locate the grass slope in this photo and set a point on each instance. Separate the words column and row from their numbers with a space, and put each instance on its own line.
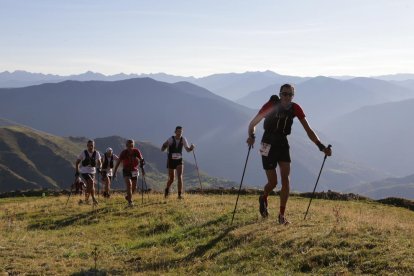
column 42, row 236
column 35, row 158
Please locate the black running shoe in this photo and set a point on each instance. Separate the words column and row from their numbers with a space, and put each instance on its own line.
column 263, row 207
column 166, row 192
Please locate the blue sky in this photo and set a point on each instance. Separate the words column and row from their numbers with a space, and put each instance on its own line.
column 198, row 38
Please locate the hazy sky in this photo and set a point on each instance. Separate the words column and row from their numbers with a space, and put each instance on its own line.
column 304, row 38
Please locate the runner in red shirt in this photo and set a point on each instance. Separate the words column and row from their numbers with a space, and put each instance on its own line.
column 279, row 114
column 131, row 157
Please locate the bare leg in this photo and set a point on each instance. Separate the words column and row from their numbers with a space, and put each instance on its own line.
column 270, row 185
column 134, row 186
column 271, row 182
column 128, row 185
column 91, row 189
column 171, row 176
column 180, row 185
column 285, row 179
column 106, row 181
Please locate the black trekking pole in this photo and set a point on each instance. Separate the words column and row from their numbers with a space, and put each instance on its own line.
column 142, row 185
column 146, row 187
column 241, row 182
column 198, row 172
column 71, row 187
column 98, row 176
column 310, row 201
column 117, row 182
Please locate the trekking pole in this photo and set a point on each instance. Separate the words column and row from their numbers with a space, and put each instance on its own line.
column 241, row 182
column 142, row 185
column 97, row 176
column 69, row 195
column 145, row 183
column 310, row 201
column 117, row 182
column 198, row 172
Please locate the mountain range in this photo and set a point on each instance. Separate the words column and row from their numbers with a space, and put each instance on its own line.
column 150, row 109
column 380, row 135
column 402, row 187
column 325, row 99
column 229, row 85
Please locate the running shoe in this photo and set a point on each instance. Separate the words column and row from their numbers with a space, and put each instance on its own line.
column 263, row 207
column 283, row 220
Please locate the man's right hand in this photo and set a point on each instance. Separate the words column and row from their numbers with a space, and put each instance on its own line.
column 250, row 141
column 328, row 151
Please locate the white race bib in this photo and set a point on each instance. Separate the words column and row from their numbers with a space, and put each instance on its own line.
column 264, row 149
column 176, row 156
column 134, row 173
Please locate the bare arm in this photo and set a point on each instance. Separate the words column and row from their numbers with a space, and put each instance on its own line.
column 313, row 137
column 252, row 128
column 164, row 146
column 77, row 166
column 188, row 148
column 99, row 164
column 309, row 131
column 116, row 166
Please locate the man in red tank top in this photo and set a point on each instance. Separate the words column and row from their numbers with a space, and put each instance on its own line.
column 130, row 157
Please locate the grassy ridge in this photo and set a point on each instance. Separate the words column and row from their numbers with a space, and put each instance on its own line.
column 42, row 236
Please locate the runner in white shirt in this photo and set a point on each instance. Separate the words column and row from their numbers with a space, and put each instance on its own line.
column 175, row 146
column 86, row 164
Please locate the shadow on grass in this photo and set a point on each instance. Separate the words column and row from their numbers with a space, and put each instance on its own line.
column 97, row 272
column 79, row 219
column 201, row 250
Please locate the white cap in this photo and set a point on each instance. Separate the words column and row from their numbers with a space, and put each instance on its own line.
column 108, row 149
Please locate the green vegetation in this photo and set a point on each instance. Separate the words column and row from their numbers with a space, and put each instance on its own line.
column 191, row 236
column 29, row 157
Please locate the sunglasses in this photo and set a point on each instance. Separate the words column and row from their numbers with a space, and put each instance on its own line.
column 287, row 94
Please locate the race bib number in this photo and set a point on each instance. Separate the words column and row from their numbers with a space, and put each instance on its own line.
column 176, row 156
column 134, row 173
column 264, row 149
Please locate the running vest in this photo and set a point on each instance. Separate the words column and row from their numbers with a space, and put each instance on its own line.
column 173, row 148
column 128, row 159
column 279, row 120
column 105, row 163
column 89, row 161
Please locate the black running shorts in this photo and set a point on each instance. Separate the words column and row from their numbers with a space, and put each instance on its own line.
column 128, row 174
column 276, row 154
column 174, row 163
column 87, row 176
column 104, row 174
column 279, row 150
